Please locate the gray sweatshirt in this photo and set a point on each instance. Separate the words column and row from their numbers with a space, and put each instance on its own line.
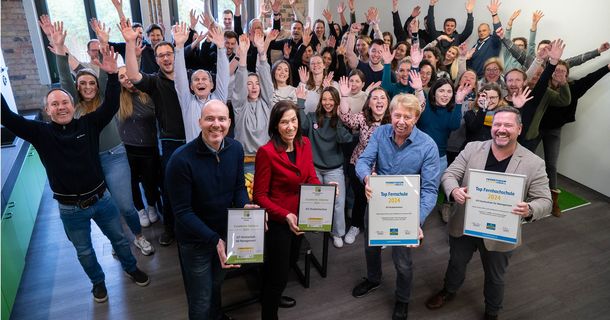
column 190, row 104
column 252, row 117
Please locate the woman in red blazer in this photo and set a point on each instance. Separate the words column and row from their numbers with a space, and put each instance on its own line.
column 282, row 165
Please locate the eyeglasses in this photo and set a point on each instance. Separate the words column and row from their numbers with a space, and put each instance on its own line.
column 492, row 70
column 165, row 55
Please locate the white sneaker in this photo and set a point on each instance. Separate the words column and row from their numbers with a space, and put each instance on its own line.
column 144, row 221
column 337, row 242
column 351, row 235
column 144, row 246
column 153, row 216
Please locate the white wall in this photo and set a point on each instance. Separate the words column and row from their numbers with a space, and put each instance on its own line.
column 585, row 148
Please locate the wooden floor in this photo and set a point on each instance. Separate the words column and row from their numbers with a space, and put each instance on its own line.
column 561, row 272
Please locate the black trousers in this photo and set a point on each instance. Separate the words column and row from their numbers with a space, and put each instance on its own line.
column 145, row 165
column 360, row 202
column 167, row 149
column 282, row 249
column 494, row 264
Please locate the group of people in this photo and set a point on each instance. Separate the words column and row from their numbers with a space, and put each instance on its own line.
column 321, row 103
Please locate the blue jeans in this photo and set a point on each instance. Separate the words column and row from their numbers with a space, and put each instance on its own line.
column 442, row 166
column 77, row 224
column 336, row 175
column 203, row 278
column 118, row 180
column 403, row 264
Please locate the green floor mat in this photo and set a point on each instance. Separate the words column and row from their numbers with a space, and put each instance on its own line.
column 568, row 201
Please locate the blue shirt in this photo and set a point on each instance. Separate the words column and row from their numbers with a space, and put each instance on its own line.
column 417, row 155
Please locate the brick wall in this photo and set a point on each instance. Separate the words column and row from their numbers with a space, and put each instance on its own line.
column 19, row 57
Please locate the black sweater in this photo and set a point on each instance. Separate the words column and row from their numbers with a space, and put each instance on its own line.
column 69, row 152
column 556, row 117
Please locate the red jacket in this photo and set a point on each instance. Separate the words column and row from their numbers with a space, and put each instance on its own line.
column 277, row 180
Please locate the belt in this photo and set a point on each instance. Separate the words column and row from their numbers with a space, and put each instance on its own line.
column 84, row 203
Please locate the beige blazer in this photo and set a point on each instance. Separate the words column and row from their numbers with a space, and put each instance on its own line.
column 524, row 162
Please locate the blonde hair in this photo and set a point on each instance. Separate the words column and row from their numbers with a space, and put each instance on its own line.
column 407, row 101
column 453, row 68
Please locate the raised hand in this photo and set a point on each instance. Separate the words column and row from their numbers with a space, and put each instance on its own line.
column 180, row 33
column 301, row 92
column 287, row 50
column 194, row 18
column 327, row 15
column 463, row 49
column 470, row 52
column 417, row 55
column 386, row 54
column 536, row 16
column 139, row 47
column 216, row 36
column 109, row 57
column 519, row 99
column 102, row 34
column 394, row 5
column 272, row 35
column 292, row 2
column 303, row 74
column 500, row 32
column 350, row 3
column 415, row 80
column 470, row 6
column 328, row 80
column 306, row 38
column 372, row 86
column 556, row 51
column 416, row 11
column 344, row 87
column 494, row 6
column 513, row 16
column 603, row 47
column 433, row 2
column 198, row 37
column 414, row 26
column 462, row 92
column 58, row 38
column 237, row 3
column 276, row 6
column 341, row 50
column 128, row 33
column 244, row 45
column 355, row 28
column 46, row 25
column 331, row 41
column 259, row 42
column 341, row 7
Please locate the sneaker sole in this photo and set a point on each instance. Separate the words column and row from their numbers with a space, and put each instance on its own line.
column 100, row 300
column 365, row 294
column 141, row 284
column 144, row 252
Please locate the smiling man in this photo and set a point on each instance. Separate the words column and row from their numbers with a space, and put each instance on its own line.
column 398, row 149
column 204, row 178
column 501, row 154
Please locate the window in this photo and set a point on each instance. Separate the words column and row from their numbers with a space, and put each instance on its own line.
column 183, row 8
column 76, row 23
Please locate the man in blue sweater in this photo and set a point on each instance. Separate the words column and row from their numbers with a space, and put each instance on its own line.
column 204, row 178
column 488, row 45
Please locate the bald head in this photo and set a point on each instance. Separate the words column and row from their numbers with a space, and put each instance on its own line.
column 214, row 123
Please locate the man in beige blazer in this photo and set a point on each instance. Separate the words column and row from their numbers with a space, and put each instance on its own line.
column 501, row 154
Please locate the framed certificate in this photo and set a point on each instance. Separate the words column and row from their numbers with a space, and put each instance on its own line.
column 316, row 207
column 493, row 195
column 245, row 236
column 394, row 210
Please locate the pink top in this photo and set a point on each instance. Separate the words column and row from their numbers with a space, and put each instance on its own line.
column 357, row 121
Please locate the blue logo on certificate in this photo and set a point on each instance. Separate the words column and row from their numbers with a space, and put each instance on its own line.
column 491, row 226
column 393, row 231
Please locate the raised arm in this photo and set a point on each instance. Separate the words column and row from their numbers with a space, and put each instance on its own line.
column 181, row 80
column 222, row 65
column 263, row 68
column 131, row 61
column 118, row 5
column 463, row 36
column 240, row 88
column 430, row 23
column 584, row 57
column 350, row 55
column 110, row 105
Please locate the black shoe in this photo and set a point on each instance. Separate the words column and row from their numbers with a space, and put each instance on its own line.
column 364, row 288
column 139, row 277
column 166, row 238
column 401, row 310
column 100, row 294
column 287, row 302
column 226, row 317
column 438, row 300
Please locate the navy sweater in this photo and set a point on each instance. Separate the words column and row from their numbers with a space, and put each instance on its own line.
column 69, row 152
column 201, row 185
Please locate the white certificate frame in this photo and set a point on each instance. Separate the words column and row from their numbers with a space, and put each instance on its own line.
column 316, row 209
column 393, row 211
column 245, row 235
column 488, row 212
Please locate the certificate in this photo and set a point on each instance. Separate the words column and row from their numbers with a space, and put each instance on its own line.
column 316, row 207
column 394, row 210
column 493, row 195
column 245, row 236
